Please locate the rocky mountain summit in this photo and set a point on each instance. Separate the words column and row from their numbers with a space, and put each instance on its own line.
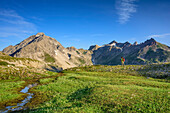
column 49, row 51
column 150, row 51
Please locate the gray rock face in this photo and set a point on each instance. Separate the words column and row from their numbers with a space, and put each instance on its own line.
column 50, row 51
column 148, row 52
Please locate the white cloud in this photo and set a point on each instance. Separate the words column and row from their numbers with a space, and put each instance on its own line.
column 13, row 24
column 159, row 36
column 125, row 8
column 10, row 13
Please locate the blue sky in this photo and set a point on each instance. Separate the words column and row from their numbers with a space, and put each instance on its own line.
column 82, row 23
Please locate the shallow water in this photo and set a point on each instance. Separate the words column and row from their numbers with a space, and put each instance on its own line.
column 20, row 106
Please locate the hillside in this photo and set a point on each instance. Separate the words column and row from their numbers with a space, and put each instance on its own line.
column 21, row 62
column 148, row 52
column 50, row 51
column 12, row 68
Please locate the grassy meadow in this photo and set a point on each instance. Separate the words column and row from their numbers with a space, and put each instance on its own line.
column 100, row 89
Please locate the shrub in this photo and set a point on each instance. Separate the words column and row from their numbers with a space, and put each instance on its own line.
column 78, row 52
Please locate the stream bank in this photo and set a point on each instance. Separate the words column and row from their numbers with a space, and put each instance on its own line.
column 28, row 97
column 20, row 105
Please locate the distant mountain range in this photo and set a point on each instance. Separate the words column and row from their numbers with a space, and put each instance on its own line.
column 48, row 50
column 150, row 51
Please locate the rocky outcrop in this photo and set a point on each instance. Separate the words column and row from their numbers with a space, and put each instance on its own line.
column 49, row 51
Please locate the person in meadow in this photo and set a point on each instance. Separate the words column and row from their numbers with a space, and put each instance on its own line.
column 122, row 61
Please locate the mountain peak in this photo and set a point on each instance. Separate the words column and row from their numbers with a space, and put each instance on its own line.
column 127, row 42
column 39, row 34
column 113, row 42
column 150, row 42
column 135, row 43
column 94, row 47
column 152, row 39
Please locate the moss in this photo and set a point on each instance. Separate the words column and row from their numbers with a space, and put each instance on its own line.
column 3, row 63
column 49, row 58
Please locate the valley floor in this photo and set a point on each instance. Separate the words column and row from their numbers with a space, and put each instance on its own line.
column 92, row 89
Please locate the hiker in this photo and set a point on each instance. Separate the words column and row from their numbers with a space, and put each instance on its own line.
column 122, row 61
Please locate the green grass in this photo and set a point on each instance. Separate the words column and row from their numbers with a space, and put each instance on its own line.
column 46, row 80
column 12, row 79
column 48, row 58
column 9, row 92
column 105, row 89
column 13, row 59
column 21, row 73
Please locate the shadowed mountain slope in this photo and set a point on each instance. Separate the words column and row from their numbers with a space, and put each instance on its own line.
column 150, row 51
